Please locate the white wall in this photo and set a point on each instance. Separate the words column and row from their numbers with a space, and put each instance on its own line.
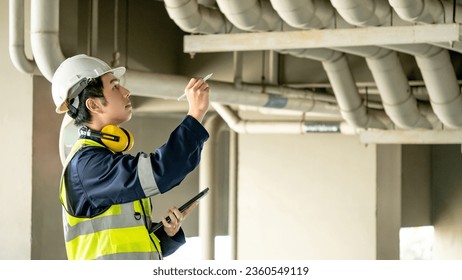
column 47, row 231
column 306, row 197
column 16, row 158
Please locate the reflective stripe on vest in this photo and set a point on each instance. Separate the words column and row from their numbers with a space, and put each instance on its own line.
column 117, row 233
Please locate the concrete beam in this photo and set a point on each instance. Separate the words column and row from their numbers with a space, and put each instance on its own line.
column 325, row 38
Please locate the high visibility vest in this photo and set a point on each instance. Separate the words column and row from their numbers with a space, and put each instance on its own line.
column 120, row 232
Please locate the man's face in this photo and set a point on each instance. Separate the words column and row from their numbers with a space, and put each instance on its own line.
column 118, row 108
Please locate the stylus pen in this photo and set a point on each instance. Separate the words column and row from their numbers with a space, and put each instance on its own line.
column 204, row 79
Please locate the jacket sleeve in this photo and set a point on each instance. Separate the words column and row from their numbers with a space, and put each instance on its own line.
column 179, row 155
column 170, row 244
column 97, row 178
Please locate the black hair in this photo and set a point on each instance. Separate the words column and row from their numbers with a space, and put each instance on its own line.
column 81, row 114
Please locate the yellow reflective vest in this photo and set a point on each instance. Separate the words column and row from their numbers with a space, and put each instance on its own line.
column 120, row 232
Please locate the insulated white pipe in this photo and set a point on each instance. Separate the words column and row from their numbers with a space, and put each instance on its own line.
column 207, row 178
column 426, row 11
column 386, row 69
column 277, row 127
column 232, row 193
column 254, row 127
column 363, row 12
column 171, row 86
column 398, row 100
column 431, row 11
column 443, row 88
column 434, row 62
column 393, row 85
column 194, row 18
column 259, row 16
column 45, row 25
column 16, row 38
column 251, row 15
column 305, row 14
column 45, row 43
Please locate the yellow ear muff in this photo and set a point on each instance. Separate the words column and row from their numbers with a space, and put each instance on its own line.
column 116, row 138
column 131, row 139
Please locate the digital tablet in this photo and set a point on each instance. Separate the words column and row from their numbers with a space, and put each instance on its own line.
column 182, row 208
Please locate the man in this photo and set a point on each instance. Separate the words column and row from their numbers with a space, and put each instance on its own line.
column 105, row 193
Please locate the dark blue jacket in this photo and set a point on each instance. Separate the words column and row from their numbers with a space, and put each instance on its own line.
column 97, row 178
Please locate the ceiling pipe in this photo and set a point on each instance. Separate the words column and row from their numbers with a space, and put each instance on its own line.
column 171, row 86
column 420, row 11
column 194, row 18
column 398, row 100
column 434, row 63
column 304, row 14
column 45, row 43
column 446, row 103
column 252, row 15
column 45, row 25
column 238, row 125
column 363, row 12
column 232, row 193
column 208, row 178
column 441, row 11
column 400, row 105
column 258, row 15
column 265, row 17
column 16, row 39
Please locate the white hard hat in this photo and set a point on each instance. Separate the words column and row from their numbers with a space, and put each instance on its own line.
column 73, row 75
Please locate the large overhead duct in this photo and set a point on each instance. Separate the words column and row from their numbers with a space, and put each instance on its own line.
column 400, row 105
column 363, row 12
column 434, row 62
column 194, row 18
column 48, row 54
column 264, row 18
column 259, row 16
column 424, row 11
column 46, row 47
column 444, row 91
column 441, row 11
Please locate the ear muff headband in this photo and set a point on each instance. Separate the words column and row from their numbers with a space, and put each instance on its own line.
column 115, row 138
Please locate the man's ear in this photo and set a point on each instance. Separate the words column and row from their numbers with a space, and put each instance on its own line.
column 94, row 105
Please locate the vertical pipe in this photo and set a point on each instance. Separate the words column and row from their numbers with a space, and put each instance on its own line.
column 207, row 178
column 238, row 61
column 232, row 216
column 94, row 28
column 16, row 38
column 45, row 43
column 273, row 67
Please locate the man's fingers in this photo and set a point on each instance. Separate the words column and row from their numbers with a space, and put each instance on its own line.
column 189, row 209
